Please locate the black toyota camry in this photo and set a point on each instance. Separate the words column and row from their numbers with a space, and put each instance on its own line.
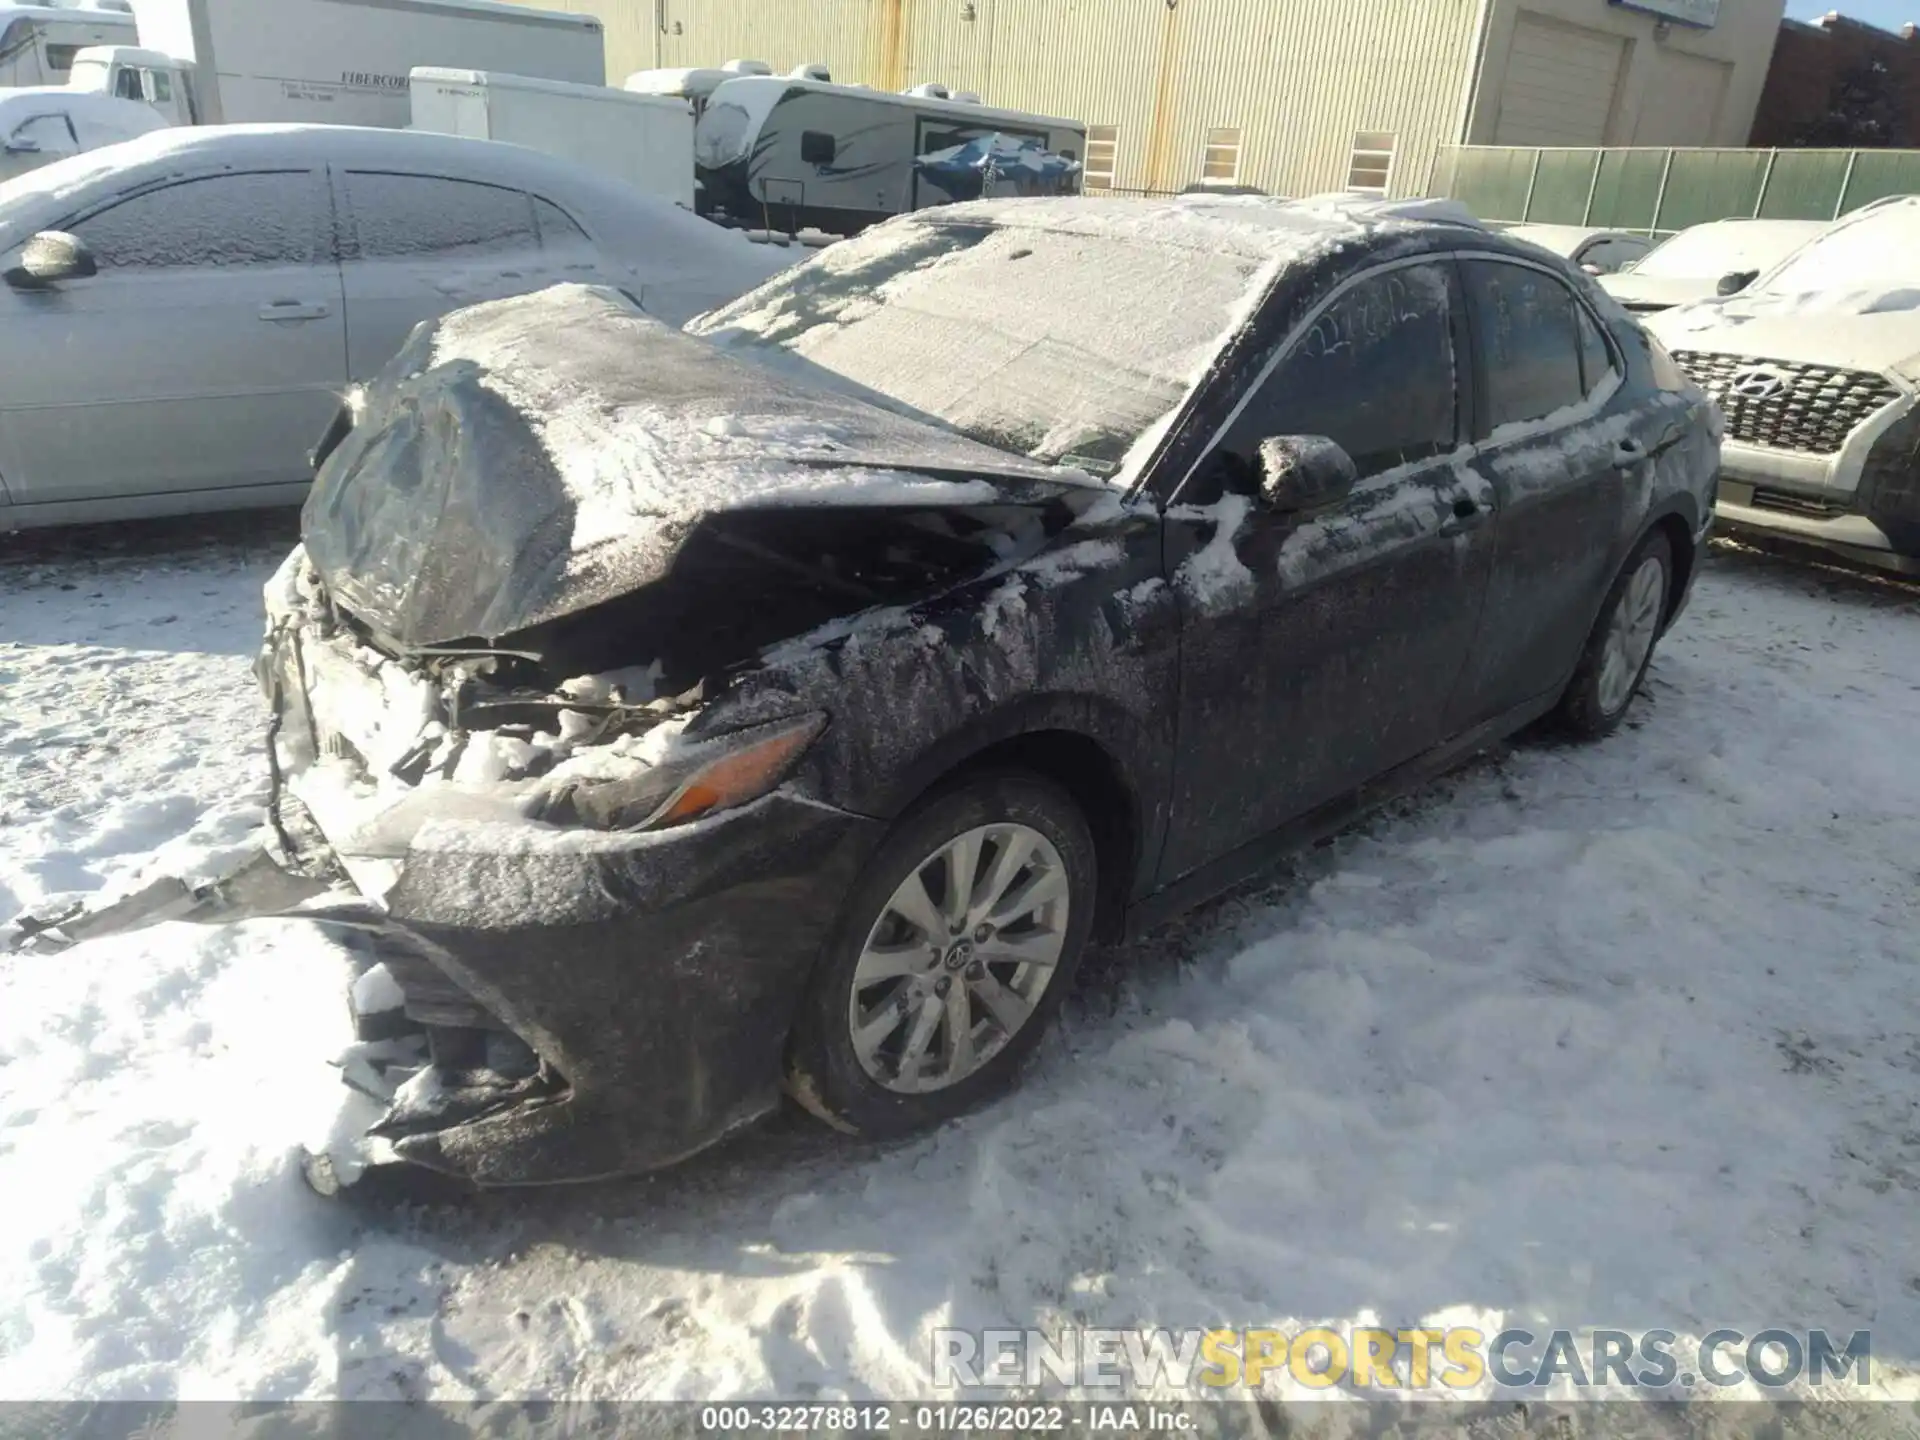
column 784, row 704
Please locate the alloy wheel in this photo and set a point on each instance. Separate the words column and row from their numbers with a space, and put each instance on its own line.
column 956, row 963
column 1631, row 633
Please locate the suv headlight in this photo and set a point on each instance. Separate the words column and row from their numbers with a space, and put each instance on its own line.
column 705, row 779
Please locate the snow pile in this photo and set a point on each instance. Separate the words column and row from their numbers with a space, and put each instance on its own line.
column 1612, row 1035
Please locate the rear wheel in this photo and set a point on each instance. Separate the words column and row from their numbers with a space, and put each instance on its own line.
column 952, row 954
column 1621, row 646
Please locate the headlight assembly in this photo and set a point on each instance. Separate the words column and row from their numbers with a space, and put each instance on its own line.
column 720, row 774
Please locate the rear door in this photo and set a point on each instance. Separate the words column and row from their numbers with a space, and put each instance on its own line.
column 1554, row 438
column 208, row 353
column 414, row 246
column 1318, row 651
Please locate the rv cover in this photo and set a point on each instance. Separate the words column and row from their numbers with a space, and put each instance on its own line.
column 996, row 165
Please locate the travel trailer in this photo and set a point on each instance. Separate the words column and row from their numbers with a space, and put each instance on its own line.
column 644, row 140
column 789, row 153
column 695, row 85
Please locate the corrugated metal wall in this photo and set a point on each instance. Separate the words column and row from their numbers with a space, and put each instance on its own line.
column 1661, row 191
column 1298, row 78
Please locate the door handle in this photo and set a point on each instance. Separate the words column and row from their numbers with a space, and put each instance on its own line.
column 1467, row 513
column 1627, row 454
column 295, row 310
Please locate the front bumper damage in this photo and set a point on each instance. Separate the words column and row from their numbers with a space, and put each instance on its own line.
column 532, row 1004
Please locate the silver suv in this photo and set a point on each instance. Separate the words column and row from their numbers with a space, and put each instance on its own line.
column 1816, row 367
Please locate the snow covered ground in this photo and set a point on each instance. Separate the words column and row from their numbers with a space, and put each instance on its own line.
column 1615, row 1036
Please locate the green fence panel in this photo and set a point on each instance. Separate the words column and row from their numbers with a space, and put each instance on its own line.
column 1661, row 191
column 1804, row 185
column 1880, row 173
column 1493, row 183
column 1562, row 187
column 1705, row 185
column 1627, row 191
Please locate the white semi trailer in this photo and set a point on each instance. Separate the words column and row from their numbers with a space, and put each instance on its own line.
column 347, row 62
column 643, row 140
column 38, row 43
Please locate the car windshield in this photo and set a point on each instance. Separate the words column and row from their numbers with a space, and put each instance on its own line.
column 1711, row 251
column 1881, row 251
column 1061, row 346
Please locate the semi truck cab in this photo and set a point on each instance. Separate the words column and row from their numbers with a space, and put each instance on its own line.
column 129, row 73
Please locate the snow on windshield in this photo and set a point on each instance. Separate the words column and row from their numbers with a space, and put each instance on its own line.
column 1881, row 251
column 1710, row 251
column 1062, row 347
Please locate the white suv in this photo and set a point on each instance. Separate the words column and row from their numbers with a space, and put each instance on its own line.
column 1816, row 367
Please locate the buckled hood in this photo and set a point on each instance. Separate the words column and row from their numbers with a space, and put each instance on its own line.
column 531, row 458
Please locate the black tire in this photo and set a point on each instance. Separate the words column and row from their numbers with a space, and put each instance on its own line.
column 823, row 1072
column 1582, row 712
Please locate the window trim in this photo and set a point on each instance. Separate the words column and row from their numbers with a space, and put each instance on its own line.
column 1467, row 396
column 1355, row 151
column 60, row 115
column 539, row 232
column 1108, row 176
column 1208, row 146
column 1521, row 432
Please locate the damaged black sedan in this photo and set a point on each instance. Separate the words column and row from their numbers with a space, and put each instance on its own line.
column 785, row 704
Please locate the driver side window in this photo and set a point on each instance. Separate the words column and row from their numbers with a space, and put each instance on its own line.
column 1374, row 372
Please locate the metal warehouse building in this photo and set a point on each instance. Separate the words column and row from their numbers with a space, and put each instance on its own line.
column 1292, row 96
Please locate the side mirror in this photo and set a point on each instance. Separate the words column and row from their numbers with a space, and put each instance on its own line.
column 1304, row 472
column 22, row 147
column 1735, row 281
column 50, row 257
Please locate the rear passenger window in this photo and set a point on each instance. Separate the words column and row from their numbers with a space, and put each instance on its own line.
column 1374, row 373
column 1530, row 332
column 557, row 230
column 402, row 216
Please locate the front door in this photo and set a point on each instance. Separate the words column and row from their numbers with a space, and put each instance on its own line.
column 208, row 353
column 1321, row 650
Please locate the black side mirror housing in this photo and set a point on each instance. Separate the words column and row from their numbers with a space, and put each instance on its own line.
column 1734, row 281
column 1304, row 472
column 50, row 257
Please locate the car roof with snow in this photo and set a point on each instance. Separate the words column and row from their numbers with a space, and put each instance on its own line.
column 1252, row 226
column 22, row 103
column 202, row 150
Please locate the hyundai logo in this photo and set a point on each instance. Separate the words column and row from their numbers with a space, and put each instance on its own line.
column 1756, row 383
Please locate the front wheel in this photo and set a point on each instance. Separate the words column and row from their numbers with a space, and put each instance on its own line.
column 953, row 952
column 1621, row 646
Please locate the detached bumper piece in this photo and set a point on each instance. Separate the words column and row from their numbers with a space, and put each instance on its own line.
column 261, row 886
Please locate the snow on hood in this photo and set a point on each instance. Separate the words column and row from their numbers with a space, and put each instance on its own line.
column 1867, row 329
column 1631, row 288
column 534, row 457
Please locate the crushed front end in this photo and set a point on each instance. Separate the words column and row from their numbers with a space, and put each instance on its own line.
column 585, row 921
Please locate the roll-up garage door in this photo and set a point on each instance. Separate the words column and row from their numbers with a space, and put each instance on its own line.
column 1559, row 85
